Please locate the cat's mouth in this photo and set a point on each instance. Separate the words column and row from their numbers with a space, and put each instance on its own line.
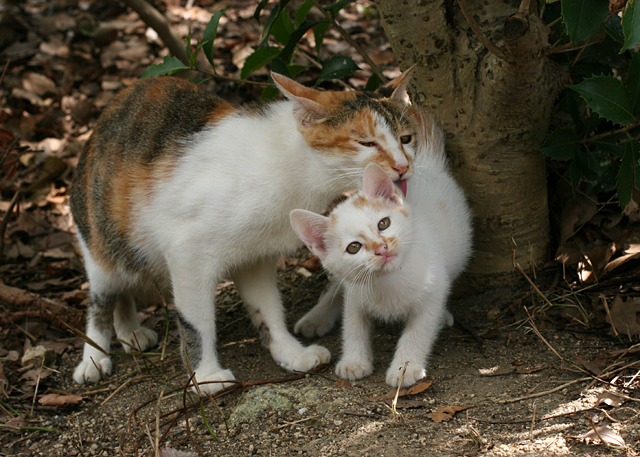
column 402, row 185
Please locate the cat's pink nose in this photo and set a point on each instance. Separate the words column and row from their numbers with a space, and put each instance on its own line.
column 381, row 249
column 401, row 170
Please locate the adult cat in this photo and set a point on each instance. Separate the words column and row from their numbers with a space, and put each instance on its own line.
column 176, row 189
column 395, row 258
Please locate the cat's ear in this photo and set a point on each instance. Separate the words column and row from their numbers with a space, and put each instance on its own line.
column 377, row 184
column 397, row 89
column 310, row 228
column 306, row 110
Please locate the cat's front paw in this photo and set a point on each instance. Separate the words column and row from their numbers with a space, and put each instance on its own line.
column 306, row 359
column 354, row 369
column 413, row 374
column 92, row 368
column 311, row 325
column 140, row 339
column 209, row 382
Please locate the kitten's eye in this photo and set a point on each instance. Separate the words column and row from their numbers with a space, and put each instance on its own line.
column 354, row 247
column 367, row 144
column 384, row 224
column 405, row 139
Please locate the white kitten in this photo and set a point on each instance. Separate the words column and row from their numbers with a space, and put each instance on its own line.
column 395, row 258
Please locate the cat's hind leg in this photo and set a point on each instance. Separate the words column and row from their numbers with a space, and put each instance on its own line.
column 258, row 288
column 95, row 362
column 128, row 329
column 324, row 315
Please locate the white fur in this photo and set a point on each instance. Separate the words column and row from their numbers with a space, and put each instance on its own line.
column 225, row 211
column 434, row 246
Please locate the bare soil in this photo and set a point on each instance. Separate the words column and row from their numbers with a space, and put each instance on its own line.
column 320, row 416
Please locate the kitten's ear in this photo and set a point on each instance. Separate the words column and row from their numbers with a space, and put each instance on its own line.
column 310, row 228
column 377, row 184
column 397, row 89
column 306, row 110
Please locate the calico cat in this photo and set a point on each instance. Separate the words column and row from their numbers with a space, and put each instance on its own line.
column 177, row 189
column 394, row 258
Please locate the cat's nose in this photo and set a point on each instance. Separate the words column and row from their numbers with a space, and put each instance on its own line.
column 401, row 170
column 381, row 249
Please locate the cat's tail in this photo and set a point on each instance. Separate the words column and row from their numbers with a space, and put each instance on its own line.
column 430, row 141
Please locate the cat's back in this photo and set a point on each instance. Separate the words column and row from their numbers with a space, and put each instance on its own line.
column 134, row 149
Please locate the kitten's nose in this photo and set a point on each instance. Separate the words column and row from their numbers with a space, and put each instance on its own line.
column 401, row 170
column 381, row 249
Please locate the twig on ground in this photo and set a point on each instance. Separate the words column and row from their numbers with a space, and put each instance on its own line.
column 5, row 219
column 395, row 399
column 289, row 424
column 542, row 394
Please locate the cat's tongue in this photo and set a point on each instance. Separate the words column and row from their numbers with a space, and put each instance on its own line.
column 402, row 185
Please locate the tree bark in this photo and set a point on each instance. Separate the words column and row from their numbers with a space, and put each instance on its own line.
column 495, row 109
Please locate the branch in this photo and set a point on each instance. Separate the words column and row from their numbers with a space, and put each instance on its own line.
column 154, row 19
column 493, row 49
column 351, row 41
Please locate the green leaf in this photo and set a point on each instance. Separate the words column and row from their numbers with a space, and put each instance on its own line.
column 294, row 38
column 210, row 34
column 302, row 12
column 583, row 168
column 584, row 18
column 169, row 66
column 608, row 97
column 633, row 82
column 614, row 28
column 295, row 70
column 278, row 66
column 626, row 172
column 337, row 67
column 279, row 8
column 561, row 144
column 282, row 27
column 337, row 6
column 372, row 83
column 259, row 8
column 257, row 60
column 269, row 93
column 611, row 144
column 318, row 34
column 631, row 25
column 187, row 47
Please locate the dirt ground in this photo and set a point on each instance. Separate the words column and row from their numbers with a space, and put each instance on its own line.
column 319, row 416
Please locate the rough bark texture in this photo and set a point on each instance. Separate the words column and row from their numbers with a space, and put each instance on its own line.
column 494, row 112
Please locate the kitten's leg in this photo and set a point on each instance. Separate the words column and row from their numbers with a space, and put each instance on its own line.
column 96, row 363
column 128, row 329
column 323, row 316
column 357, row 355
column 194, row 294
column 259, row 291
column 417, row 339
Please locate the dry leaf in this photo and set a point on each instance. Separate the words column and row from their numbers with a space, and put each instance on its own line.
column 595, row 366
column 609, row 436
column 611, row 399
column 343, row 383
column 624, row 316
column 406, row 404
column 60, row 400
column 445, row 413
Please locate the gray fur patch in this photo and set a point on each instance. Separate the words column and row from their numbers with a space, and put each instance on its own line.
column 191, row 341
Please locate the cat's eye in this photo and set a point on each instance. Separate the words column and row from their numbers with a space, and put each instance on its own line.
column 384, row 224
column 367, row 144
column 405, row 139
column 354, row 247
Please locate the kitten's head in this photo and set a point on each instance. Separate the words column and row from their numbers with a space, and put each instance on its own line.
column 363, row 234
column 353, row 129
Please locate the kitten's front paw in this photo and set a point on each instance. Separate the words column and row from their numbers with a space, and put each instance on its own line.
column 354, row 369
column 213, row 387
column 311, row 325
column 413, row 374
column 305, row 360
column 140, row 339
column 92, row 369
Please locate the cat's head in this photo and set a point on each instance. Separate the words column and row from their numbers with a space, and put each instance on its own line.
column 353, row 129
column 363, row 235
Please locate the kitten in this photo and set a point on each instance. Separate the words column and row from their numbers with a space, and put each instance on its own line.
column 177, row 189
column 395, row 258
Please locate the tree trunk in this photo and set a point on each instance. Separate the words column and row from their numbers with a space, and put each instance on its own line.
column 495, row 111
